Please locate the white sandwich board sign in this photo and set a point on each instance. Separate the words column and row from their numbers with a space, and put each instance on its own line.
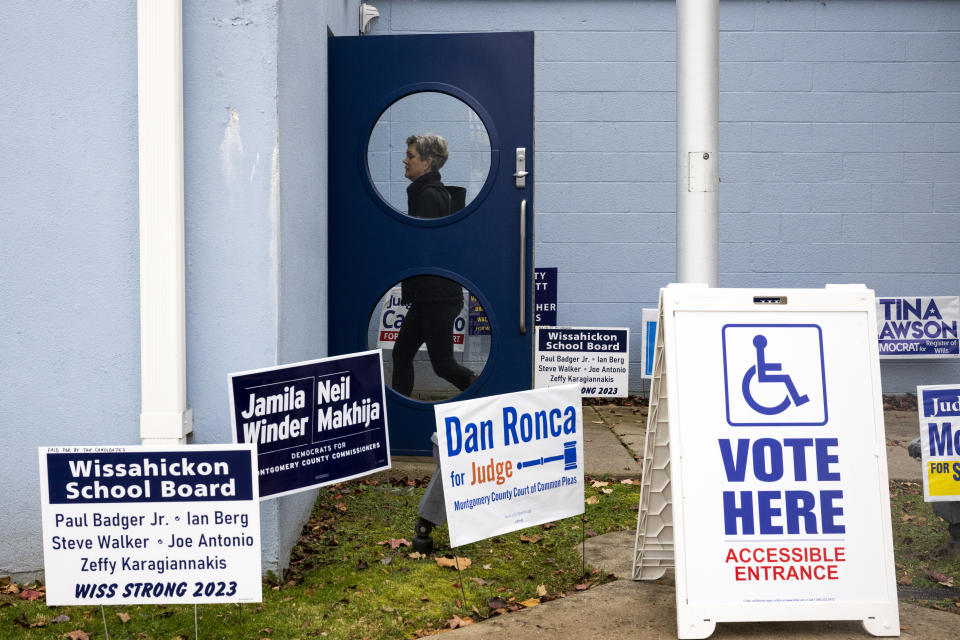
column 777, row 455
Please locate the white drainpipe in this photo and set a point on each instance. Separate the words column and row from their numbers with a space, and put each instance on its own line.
column 698, row 113
column 164, row 417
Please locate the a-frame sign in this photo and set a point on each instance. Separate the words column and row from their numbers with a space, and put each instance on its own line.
column 765, row 475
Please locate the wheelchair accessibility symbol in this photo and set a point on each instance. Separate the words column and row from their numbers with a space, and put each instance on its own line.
column 774, row 375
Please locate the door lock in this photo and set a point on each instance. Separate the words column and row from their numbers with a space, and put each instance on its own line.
column 521, row 174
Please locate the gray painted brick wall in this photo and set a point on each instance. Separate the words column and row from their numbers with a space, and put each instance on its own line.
column 839, row 146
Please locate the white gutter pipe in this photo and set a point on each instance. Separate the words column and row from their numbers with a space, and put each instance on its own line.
column 698, row 114
column 164, row 417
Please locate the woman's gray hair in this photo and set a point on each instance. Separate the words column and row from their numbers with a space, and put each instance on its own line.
column 430, row 146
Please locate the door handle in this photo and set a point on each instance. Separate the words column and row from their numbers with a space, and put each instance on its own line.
column 523, row 266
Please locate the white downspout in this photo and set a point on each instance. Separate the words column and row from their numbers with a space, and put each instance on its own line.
column 164, row 417
column 698, row 114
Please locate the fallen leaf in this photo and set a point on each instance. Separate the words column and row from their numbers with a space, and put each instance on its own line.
column 593, row 500
column 906, row 518
column 61, row 618
column 532, row 602
column 531, row 539
column 456, row 622
column 541, row 590
column 416, row 555
column 488, row 567
column 396, row 543
column 628, row 481
column 386, row 560
column 480, row 582
column 124, row 617
column 40, row 623
column 904, row 579
column 599, row 483
column 590, row 534
column 454, row 563
column 607, row 490
column 945, row 580
column 496, row 603
column 30, row 595
column 361, row 565
column 76, row 635
column 583, row 586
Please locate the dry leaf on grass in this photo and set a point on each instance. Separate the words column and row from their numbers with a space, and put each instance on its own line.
column 416, row 555
column 454, row 563
column 30, row 595
column 456, row 622
column 534, row 539
column 593, row 500
column 532, row 602
column 77, row 634
column 395, row 542
column 541, row 590
column 124, row 617
column 599, row 483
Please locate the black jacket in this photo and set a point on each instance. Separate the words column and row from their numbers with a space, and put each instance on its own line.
column 428, row 198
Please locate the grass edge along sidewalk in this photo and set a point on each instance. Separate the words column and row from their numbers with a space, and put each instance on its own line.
column 353, row 575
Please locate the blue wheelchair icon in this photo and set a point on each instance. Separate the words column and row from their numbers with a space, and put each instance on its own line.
column 762, row 370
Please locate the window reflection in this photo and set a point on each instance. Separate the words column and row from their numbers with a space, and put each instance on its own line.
column 434, row 335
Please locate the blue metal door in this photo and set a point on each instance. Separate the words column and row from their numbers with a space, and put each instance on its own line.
column 382, row 89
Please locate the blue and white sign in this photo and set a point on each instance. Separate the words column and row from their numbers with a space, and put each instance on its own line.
column 510, row 461
column 596, row 358
column 648, row 339
column 545, row 296
column 148, row 525
column 939, row 408
column 313, row 423
column 778, row 458
column 918, row 327
column 774, row 375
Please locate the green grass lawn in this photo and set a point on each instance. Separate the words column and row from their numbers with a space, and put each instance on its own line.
column 343, row 583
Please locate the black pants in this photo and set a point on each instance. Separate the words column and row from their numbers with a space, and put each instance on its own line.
column 430, row 322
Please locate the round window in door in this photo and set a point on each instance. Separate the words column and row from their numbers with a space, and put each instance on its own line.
column 435, row 337
column 433, row 144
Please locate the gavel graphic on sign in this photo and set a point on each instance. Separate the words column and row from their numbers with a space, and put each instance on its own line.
column 569, row 457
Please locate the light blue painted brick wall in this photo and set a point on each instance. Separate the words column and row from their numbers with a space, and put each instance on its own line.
column 839, row 145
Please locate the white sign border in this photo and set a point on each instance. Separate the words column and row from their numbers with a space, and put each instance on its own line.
column 699, row 621
column 386, row 426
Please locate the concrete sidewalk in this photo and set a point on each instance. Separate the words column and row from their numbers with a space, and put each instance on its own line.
column 613, row 439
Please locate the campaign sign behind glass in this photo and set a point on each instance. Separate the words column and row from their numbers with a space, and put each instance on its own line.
column 479, row 321
column 150, row 525
column 918, row 327
column 545, row 296
column 778, row 459
column 596, row 358
column 510, row 461
column 939, row 408
column 313, row 423
column 393, row 311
